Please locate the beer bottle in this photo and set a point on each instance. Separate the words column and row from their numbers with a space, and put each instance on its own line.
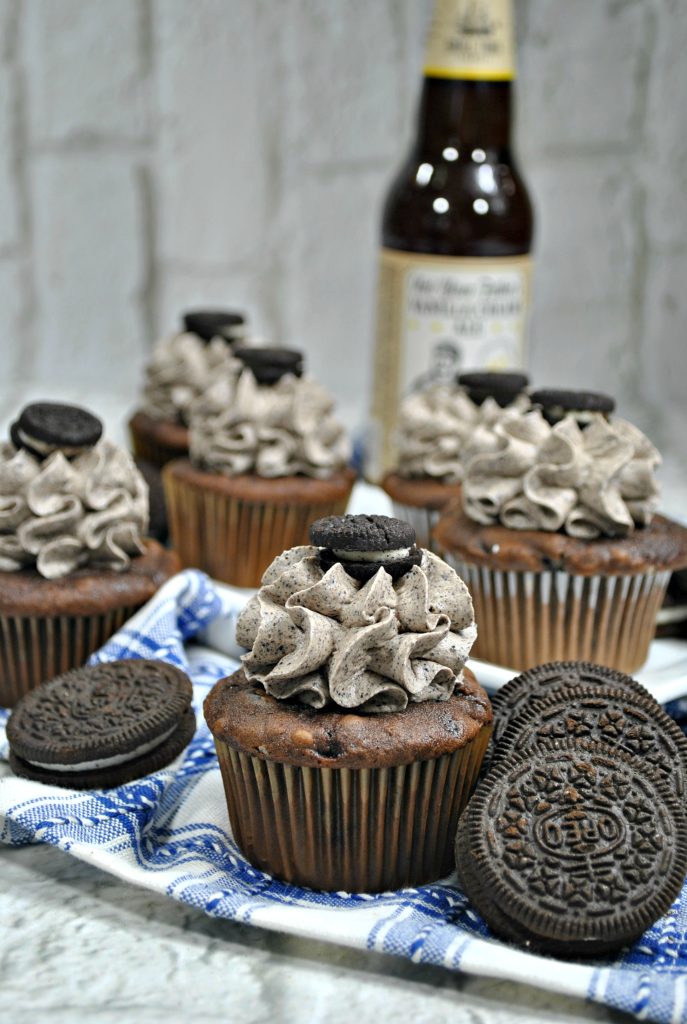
column 454, row 271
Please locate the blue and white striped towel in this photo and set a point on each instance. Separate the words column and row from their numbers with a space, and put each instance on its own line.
column 169, row 832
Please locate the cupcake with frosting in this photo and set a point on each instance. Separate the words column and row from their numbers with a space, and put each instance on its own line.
column 559, row 539
column 350, row 739
column 74, row 559
column 439, row 430
column 181, row 368
column 267, row 456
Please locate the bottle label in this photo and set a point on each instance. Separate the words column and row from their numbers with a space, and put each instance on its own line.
column 471, row 39
column 438, row 316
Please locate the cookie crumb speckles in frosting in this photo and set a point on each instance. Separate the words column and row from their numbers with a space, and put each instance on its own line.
column 286, row 429
column 322, row 637
column 59, row 514
column 441, row 428
column 591, row 482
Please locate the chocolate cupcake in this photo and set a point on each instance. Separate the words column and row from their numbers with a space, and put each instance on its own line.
column 559, row 541
column 439, row 430
column 267, row 457
column 74, row 561
column 181, row 368
column 351, row 738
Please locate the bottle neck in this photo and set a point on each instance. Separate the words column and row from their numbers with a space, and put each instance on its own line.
column 462, row 113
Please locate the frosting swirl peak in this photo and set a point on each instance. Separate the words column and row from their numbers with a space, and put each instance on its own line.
column 286, row 429
column 322, row 637
column 180, row 369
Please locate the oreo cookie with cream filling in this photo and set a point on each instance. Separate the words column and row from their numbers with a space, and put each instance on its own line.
column 215, row 323
column 102, row 725
column 46, row 427
column 504, row 388
column 582, row 405
column 268, row 365
column 363, row 544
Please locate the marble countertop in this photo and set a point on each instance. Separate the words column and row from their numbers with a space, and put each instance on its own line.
column 79, row 945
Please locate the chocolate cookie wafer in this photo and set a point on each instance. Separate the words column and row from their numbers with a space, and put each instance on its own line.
column 45, row 427
column 573, row 850
column 503, row 387
column 363, row 544
column 102, row 725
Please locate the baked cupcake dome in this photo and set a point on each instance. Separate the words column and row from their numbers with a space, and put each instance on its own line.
column 347, row 753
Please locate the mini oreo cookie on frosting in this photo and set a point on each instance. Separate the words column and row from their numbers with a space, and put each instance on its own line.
column 102, row 725
column 207, row 324
column 269, row 365
column 556, row 403
column 364, row 544
column 46, row 427
column 504, row 388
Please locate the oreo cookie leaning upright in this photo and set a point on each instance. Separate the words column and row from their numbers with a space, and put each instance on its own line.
column 556, row 403
column 207, row 324
column 46, row 427
column 269, row 365
column 102, row 725
column 504, row 388
column 363, row 544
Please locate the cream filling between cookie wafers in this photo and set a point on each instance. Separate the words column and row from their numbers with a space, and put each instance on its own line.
column 106, row 762
column 395, row 555
column 47, row 447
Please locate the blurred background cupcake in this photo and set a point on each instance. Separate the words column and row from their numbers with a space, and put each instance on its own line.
column 351, row 739
column 267, row 456
column 75, row 563
column 181, row 368
column 558, row 537
column 440, row 428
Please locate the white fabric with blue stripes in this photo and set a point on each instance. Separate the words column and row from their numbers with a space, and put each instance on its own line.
column 169, row 832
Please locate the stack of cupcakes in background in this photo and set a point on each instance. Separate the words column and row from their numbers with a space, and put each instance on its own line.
column 75, row 563
column 558, row 538
column 267, row 456
column 440, row 429
column 351, row 738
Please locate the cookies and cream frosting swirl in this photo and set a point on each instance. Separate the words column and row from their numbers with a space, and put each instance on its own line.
column 440, row 429
column 593, row 482
column 60, row 514
column 182, row 368
column 322, row 637
column 284, row 429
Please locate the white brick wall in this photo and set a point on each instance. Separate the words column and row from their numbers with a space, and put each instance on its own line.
column 159, row 153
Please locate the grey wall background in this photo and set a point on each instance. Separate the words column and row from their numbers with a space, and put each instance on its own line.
column 158, row 153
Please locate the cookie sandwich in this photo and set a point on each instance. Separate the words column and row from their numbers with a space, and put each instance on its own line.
column 75, row 562
column 181, row 368
column 439, row 430
column 102, row 725
column 559, row 539
column 267, row 456
column 350, row 739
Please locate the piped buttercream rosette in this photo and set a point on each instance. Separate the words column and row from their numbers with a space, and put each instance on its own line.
column 592, row 482
column 60, row 514
column 322, row 637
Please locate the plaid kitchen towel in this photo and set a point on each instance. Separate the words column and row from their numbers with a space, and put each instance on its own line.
column 169, row 832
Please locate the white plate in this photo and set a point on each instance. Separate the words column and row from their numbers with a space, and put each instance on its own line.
column 664, row 674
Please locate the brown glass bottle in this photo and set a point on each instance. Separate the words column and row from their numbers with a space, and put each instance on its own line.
column 457, row 223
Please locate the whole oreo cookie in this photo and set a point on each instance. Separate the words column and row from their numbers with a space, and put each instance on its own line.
column 615, row 717
column 552, row 678
column 268, row 365
column 212, row 323
column 504, row 388
column 45, row 427
column 364, row 544
column 102, row 725
column 556, row 403
column 573, row 850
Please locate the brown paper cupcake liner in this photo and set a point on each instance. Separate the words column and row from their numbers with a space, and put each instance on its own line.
column 148, row 440
column 423, row 521
column 34, row 649
column 234, row 539
column 350, row 829
column 528, row 618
